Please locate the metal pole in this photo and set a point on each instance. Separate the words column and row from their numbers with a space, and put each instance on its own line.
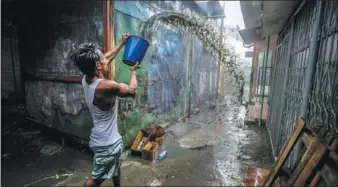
column 310, row 71
column 222, row 65
column 219, row 59
column 107, row 26
column 267, row 45
column 189, row 74
column 253, row 61
column 312, row 62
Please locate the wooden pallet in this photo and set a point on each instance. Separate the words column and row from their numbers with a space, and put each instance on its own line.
column 318, row 163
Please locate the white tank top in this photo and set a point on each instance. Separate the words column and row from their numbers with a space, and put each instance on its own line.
column 104, row 131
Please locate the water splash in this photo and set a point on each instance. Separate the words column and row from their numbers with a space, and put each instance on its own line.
column 208, row 33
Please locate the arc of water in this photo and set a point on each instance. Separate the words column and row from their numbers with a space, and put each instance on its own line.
column 205, row 31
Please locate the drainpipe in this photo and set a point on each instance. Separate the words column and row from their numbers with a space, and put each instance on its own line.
column 187, row 98
column 267, row 45
column 253, row 62
column 189, row 74
column 219, row 59
column 310, row 70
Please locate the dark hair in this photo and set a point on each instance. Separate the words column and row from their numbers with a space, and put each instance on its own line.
column 86, row 57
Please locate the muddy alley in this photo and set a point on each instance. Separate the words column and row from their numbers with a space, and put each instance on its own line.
column 211, row 147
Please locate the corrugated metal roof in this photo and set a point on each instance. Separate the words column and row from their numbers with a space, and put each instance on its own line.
column 212, row 8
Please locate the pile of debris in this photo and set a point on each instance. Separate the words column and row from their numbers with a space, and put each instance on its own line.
column 148, row 142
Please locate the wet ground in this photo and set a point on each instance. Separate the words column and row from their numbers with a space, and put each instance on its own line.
column 212, row 147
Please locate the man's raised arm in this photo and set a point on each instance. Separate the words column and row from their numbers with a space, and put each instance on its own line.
column 110, row 55
column 121, row 89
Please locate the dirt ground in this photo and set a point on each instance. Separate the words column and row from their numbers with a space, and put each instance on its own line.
column 212, row 147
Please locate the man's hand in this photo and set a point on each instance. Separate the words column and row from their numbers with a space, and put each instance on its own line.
column 136, row 66
column 110, row 55
column 125, row 37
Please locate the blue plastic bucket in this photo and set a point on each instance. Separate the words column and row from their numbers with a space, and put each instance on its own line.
column 134, row 50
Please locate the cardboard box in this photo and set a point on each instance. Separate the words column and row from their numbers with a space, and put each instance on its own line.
column 139, row 142
column 151, row 154
column 160, row 140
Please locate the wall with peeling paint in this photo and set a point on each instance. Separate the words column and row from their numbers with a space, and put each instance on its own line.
column 177, row 72
column 47, row 32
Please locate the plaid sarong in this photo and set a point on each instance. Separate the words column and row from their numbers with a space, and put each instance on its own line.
column 106, row 162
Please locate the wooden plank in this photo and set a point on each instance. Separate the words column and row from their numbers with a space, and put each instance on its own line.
column 307, row 138
column 322, row 133
column 333, row 145
column 307, row 155
column 334, row 157
column 330, row 140
column 309, row 132
column 284, row 172
column 286, row 151
column 315, row 180
column 329, row 175
column 311, row 165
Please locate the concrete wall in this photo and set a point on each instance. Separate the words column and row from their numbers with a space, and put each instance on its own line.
column 177, row 72
column 11, row 80
column 10, row 65
column 47, row 32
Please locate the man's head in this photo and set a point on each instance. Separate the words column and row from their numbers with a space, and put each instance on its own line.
column 90, row 59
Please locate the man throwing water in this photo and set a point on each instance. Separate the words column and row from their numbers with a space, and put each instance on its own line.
column 100, row 95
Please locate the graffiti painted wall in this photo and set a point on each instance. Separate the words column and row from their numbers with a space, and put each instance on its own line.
column 177, row 73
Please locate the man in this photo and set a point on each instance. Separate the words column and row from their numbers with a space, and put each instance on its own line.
column 100, row 95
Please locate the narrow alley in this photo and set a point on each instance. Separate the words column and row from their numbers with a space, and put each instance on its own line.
column 212, row 147
column 184, row 93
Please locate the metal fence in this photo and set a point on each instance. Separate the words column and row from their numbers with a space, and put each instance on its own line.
column 304, row 78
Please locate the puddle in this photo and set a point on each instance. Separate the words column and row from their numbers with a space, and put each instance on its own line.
column 199, row 138
column 155, row 183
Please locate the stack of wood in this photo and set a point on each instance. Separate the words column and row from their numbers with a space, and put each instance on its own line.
column 318, row 163
column 147, row 142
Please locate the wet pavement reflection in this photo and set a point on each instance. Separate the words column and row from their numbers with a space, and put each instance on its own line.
column 213, row 147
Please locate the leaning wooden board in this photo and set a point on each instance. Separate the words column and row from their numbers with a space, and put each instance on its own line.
column 285, row 152
column 317, row 164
